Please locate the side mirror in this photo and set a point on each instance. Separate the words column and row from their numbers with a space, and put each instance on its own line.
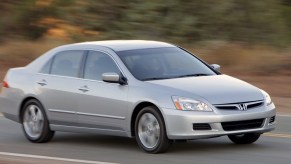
column 216, row 67
column 114, row 78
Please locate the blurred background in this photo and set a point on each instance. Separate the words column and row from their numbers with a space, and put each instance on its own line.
column 250, row 39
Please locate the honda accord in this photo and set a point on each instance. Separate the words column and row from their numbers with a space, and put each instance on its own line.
column 153, row 91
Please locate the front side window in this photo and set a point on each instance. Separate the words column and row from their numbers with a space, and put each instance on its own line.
column 67, row 63
column 98, row 63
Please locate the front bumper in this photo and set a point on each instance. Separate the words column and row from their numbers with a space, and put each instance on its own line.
column 179, row 124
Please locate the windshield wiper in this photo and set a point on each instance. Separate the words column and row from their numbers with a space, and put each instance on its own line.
column 196, row 74
column 188, row 75
column 155, row 78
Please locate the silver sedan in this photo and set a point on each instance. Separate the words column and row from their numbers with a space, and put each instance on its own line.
column 153, row 91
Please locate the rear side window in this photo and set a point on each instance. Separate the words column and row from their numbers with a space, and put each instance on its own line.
column 46, row 68
column 67, row 63
column 98, row 63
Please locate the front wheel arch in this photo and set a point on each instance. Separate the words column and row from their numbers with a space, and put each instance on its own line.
column 135, row 112
column 155, row 127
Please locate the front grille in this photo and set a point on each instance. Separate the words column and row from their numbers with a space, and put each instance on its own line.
column 242, row 125
column 227, row 107
column 254, row 105
column 272, row 120
column 201, row 126
column 240, row 106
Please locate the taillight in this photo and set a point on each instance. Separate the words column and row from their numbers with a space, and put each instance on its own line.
column 5, row 84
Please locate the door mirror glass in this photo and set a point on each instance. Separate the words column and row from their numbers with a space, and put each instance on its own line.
column 216, row 67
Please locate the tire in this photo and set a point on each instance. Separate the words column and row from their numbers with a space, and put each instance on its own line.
column 150, row 131
column 247, row 138
column 34, row 122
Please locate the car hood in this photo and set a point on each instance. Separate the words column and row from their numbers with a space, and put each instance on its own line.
column 217, row 89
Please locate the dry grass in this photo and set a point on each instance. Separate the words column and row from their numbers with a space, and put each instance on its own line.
column 276, row 85
column 241, row 59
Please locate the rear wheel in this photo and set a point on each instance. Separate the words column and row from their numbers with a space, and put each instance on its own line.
column 150, row 131
column 34, row 122
column 244, row 138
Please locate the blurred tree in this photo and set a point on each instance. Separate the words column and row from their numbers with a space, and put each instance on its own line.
column 21, row 18
column 104, row 16
column 187, row 21
column 286, row 13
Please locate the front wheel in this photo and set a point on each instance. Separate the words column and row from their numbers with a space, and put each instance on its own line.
column 34, row 122
column 244, row 138
column 150, row 131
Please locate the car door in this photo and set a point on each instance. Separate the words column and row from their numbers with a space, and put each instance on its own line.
column 103, row 105
column 57, row 86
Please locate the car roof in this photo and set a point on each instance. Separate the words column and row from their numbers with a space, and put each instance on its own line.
column 123, row 45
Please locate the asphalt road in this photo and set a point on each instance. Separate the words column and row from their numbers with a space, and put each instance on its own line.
column 272, row 148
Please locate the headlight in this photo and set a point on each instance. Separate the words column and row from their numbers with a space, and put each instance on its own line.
column 190, row 104
column 267, row 97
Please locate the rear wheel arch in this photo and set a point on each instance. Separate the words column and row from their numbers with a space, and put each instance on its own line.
column 35, row 126
column 135, row 112
column 24, row 101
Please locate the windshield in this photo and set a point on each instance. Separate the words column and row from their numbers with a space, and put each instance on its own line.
column 163, row 63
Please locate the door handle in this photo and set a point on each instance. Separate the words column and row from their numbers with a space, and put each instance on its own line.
column 84, row 89
column 42, row 82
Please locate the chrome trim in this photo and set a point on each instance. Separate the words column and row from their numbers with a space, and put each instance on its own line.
column 70, row 77
column 101, row 115
column 61, row 111
column 240, row 106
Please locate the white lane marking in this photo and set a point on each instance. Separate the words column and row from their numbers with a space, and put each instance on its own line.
column 53, row 158
column 283, row 115
column 277, row 135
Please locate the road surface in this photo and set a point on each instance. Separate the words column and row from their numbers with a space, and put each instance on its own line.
column 272, row 148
